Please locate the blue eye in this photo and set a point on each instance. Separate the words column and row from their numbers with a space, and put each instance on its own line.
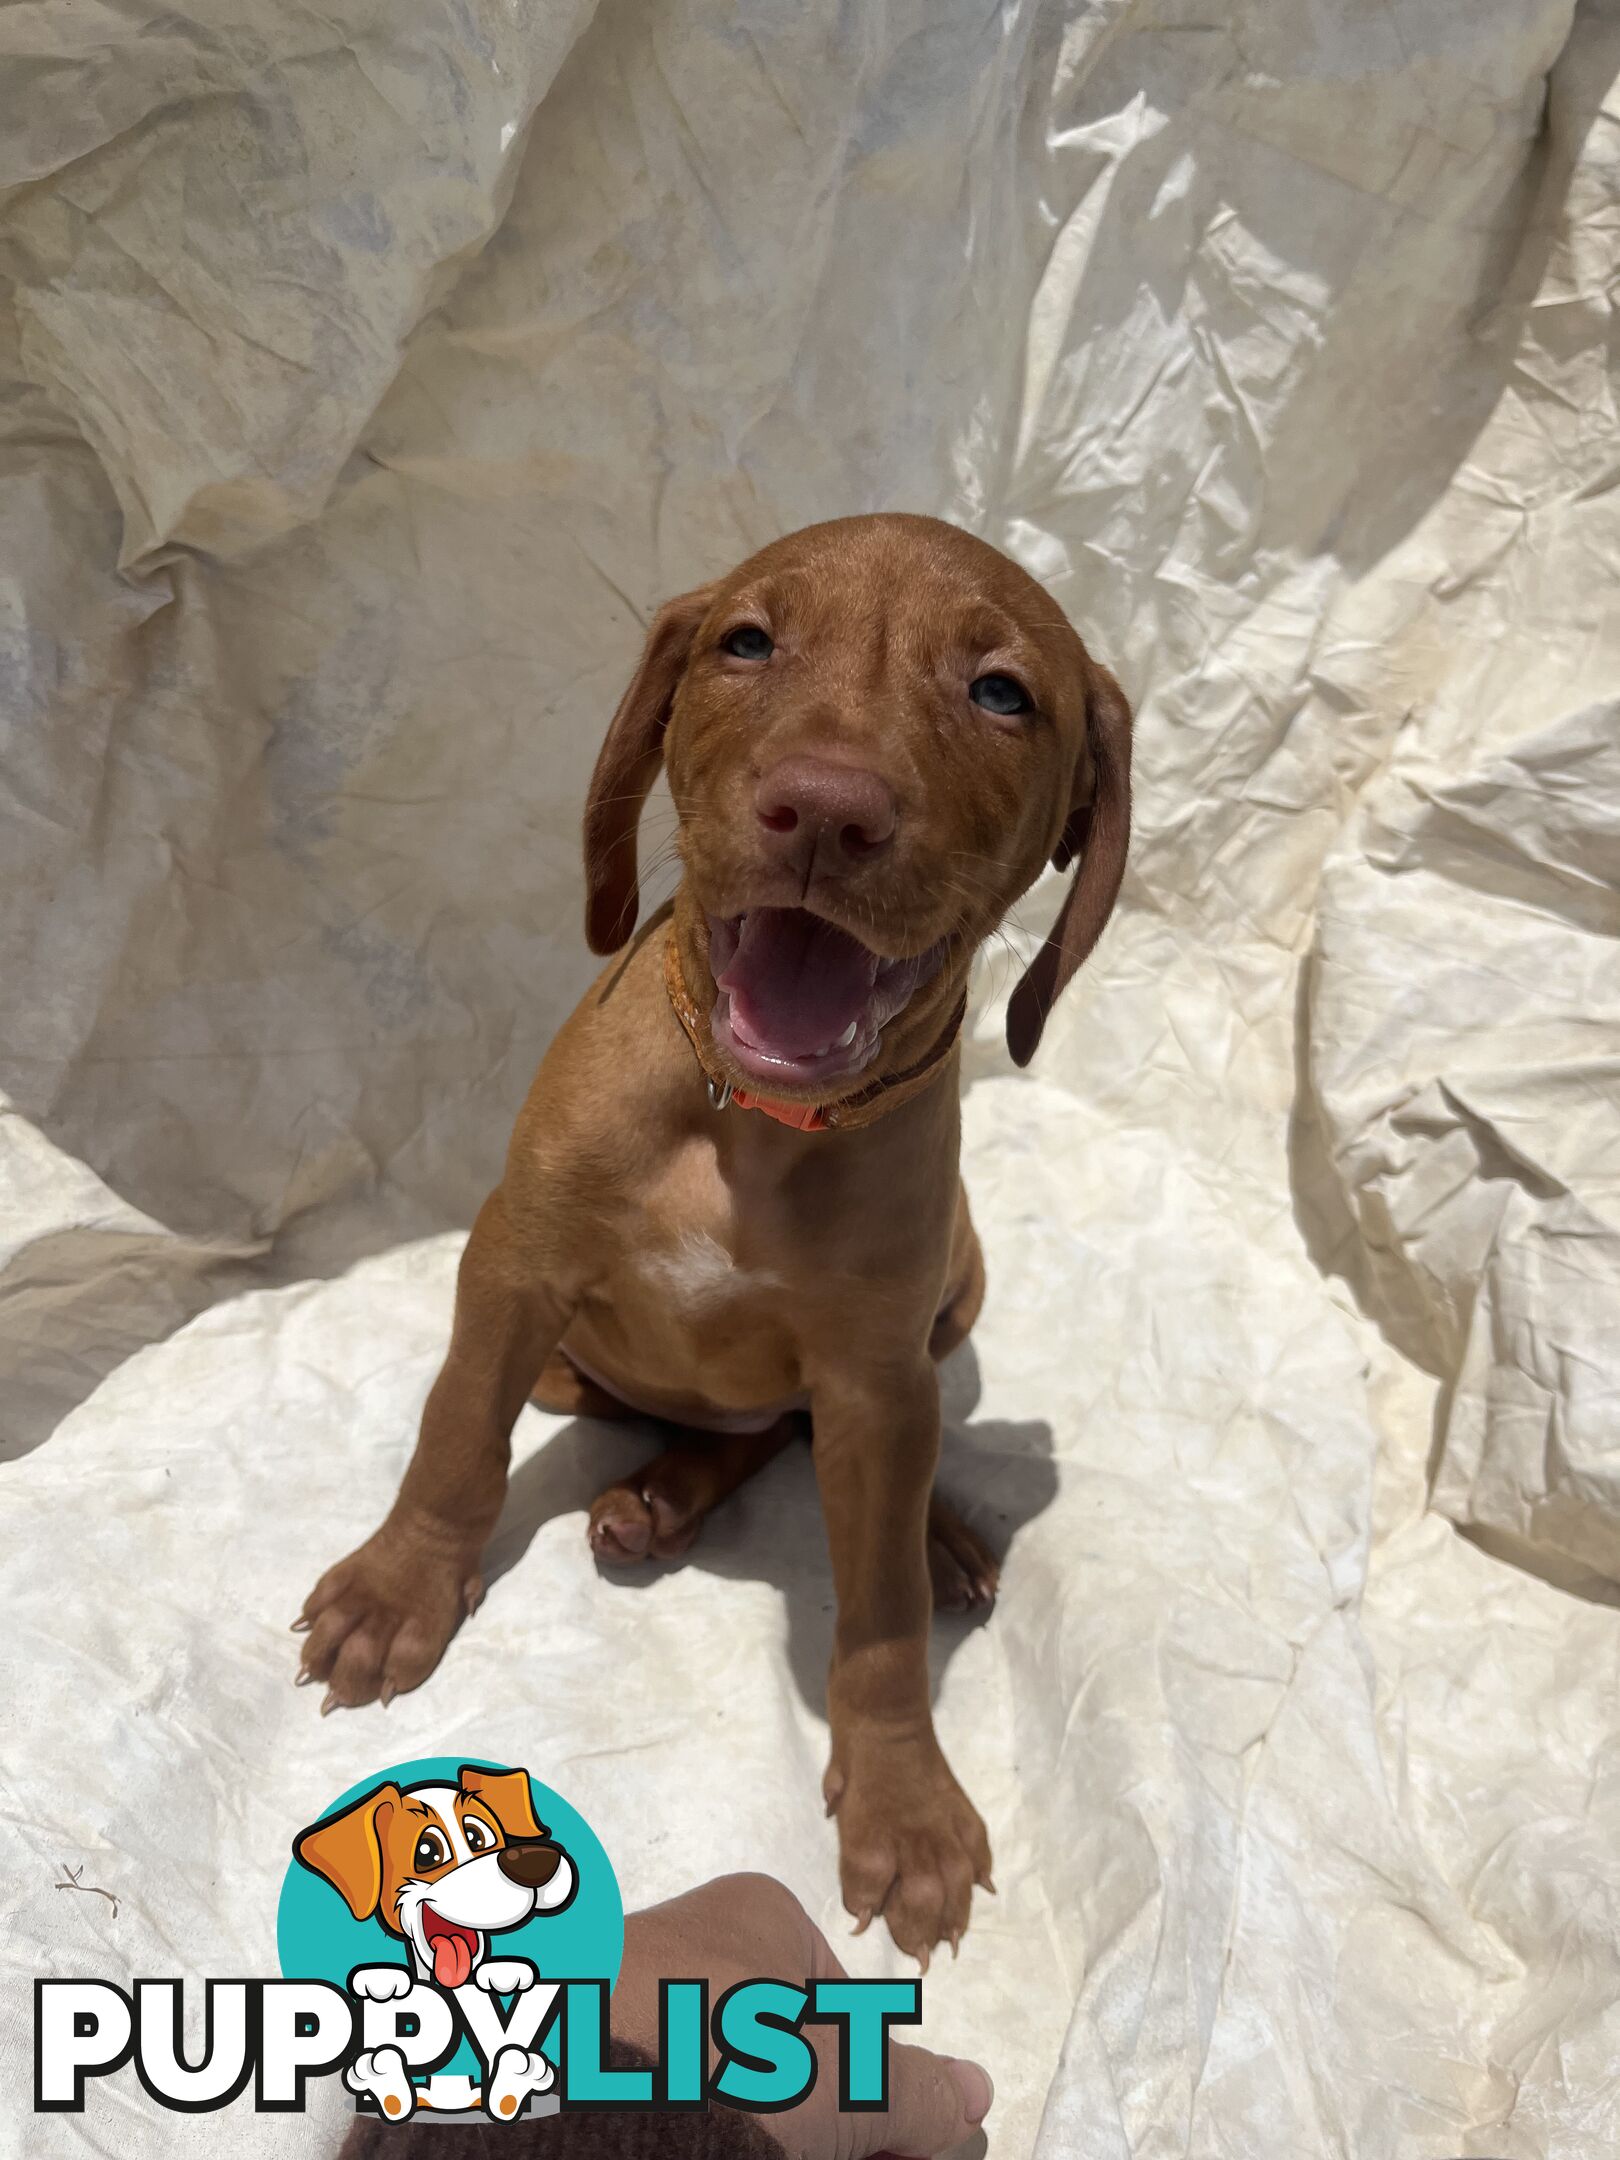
column 1000, row 694
column 747, row 642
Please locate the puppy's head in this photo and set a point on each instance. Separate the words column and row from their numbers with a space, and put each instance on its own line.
column 443, row 1866
column 877, row 732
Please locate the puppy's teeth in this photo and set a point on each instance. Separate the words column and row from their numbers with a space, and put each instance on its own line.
column 847, row 1037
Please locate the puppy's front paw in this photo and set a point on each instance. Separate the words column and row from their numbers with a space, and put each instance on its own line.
column 379, row 1621
column 911, row 1845
column 381, row 1983
column 505, row 1976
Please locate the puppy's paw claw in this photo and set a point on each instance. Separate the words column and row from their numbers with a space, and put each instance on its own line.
column 621, row 1527
column 961, row 1567
column 380, row 1620
column 911, row 1847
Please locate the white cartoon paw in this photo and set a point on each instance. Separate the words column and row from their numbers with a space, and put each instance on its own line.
column 506, row 1976
column 381, row 1983
column 381, row 2073
column 515, row 2076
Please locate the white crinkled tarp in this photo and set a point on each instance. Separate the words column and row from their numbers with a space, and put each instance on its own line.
column 369, row 373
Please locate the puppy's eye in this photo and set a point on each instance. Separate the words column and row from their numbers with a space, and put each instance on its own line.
column 1000, row 694
column 747, row 642
column 431, row 1852
column 478, row 1838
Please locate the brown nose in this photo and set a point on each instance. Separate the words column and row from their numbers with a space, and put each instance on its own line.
column 532, row 1863
column 821, row 816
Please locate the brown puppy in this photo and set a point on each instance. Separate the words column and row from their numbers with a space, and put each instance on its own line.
column 876, row 732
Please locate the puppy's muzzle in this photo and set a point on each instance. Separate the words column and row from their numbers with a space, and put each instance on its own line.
column 821, row 819
column 531, row 1862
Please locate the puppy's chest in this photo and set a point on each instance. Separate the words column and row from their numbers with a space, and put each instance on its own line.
column 695, row 1276
column 698, row 1245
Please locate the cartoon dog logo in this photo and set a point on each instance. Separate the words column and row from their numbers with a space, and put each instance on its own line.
column 444, row 1868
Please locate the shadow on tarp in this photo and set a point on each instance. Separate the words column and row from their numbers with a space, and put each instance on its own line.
column 998, row 1473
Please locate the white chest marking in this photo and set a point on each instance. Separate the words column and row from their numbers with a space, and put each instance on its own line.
column 698, row 1273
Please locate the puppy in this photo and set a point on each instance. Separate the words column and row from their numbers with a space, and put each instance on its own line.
column 733, row 1193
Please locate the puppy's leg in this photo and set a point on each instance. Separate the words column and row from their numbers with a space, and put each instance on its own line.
column 965, row 1275
column 912, row 1845
column 563, row 1390
column 379, row 1621
column 656, row 1514
column 963, row 1569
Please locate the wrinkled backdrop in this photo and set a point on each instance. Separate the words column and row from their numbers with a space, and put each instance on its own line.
column 369, row 373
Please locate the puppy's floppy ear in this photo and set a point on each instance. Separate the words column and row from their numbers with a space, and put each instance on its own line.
column 347, row 1850
column 1098, row 831
column 626, row 768
column 506, row 1793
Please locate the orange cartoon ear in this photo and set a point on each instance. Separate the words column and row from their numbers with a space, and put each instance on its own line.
column 347, row 1850
column 506, row 1792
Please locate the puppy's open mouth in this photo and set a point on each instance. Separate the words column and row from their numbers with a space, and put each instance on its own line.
column 451, row 1947
column 801, row 1001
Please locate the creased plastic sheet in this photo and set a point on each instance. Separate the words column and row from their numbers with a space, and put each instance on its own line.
column 369, row 374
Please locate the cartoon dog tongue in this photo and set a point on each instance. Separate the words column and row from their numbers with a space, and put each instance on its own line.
column 452, row 1958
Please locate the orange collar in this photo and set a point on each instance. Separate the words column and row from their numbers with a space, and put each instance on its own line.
column 864, row 1107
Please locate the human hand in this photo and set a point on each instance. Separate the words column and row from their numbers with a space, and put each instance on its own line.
column 745, row 1927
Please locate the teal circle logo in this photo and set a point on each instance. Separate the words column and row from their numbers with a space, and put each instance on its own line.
column 469, row 1878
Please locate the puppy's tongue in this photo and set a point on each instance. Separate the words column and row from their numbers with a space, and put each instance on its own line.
column 797, row 984
column 452, row 1960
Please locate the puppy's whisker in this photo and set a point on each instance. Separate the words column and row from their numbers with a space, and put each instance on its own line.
column 662, row 855
column 630, row 795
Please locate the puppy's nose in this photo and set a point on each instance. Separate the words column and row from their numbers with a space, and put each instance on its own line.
column 532, row 1863
column 829, row 817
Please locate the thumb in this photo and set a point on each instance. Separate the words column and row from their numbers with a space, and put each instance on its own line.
column 935, row 2102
